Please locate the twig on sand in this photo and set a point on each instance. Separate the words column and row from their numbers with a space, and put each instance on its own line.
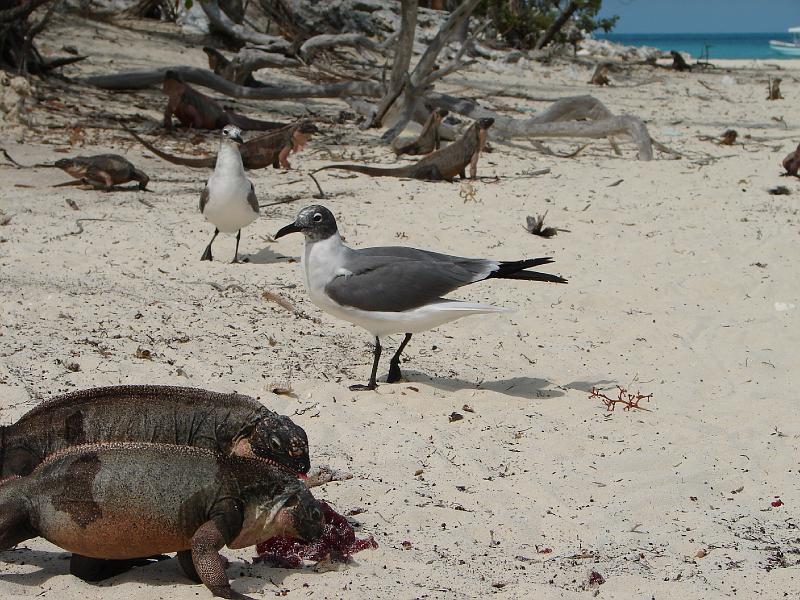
column 625, row 398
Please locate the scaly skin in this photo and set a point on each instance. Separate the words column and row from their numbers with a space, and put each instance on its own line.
column 198, row 111
column 428, row 140
column 103, row 170
column 442, row 165
column 226, row 423
column 270, row 149
column 792, row 162
column 128, row 500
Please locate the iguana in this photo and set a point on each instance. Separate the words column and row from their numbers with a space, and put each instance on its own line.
column 226, row 423
column 197, row 110
column 128, row 500
column 257, row 153
column 792, row 162
column 444, row 164
column 428, row 139
column 101, row 170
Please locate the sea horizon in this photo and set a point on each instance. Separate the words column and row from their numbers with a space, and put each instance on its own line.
column 739, row 45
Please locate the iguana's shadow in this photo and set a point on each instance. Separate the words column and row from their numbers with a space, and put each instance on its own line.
column 165, row 572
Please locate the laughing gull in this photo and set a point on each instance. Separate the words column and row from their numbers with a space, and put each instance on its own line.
column 393, row 289
column 229, row 198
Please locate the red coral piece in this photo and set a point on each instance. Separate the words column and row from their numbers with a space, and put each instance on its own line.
column 777, row 503
column 625, row 398
column 337, row 543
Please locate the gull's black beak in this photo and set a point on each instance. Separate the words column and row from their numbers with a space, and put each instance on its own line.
column 291, row 228
column 238, row 139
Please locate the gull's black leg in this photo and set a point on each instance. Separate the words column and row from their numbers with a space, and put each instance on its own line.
column 207, row 253
column 394, row 365
column 236, row 253
column 358, row 387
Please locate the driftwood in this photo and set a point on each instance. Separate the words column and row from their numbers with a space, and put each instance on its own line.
column 223, row 23
column 239, row 69
column 313, row 45
column 420, row 77
column 135, row 80
column 401, row 62
column 558, row 120
column 774, row 88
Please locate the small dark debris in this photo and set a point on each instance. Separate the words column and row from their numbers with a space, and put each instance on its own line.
column 72, row 204
column 728, row 138
column 780, row 190
column 454, row 416
column 143, row 353
column 73, row 366
column 535, row 225
column 760, row 265
column 595, row 579
column 467, row 408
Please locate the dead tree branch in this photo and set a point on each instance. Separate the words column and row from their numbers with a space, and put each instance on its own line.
column 135, row 80
column 313, row 45
column 223, row 23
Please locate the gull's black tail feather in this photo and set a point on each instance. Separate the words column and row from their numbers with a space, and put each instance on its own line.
column 516, row 270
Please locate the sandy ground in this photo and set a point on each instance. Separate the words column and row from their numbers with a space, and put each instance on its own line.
column 682, row 284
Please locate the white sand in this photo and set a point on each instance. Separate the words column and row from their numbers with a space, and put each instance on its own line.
column 683, row 283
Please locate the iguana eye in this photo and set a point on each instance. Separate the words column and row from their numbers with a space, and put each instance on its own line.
column 274, row 443
column 317, row 218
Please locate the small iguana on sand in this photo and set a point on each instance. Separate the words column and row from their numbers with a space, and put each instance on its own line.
column 792, row 162
column 428, row 139
column 128, row 500
column 270, row 149
column 225, row 423
column 198, row 111
column 442, row 165
column 102, row 171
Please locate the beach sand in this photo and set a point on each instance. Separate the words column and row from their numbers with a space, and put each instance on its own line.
column 683, row 284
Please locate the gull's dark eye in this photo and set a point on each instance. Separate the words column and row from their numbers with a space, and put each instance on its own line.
column 317, row 218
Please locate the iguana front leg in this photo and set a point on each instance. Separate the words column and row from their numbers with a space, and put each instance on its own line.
column 210, row 568
column 473, row 165
column 172, row 106
column 15, row 521
column 283, row 157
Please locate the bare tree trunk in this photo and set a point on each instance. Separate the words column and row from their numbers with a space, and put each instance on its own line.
column 402, row 60
column 223, row 23
column 556, row 26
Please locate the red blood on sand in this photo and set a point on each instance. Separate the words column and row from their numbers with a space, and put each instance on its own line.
column 337, row 543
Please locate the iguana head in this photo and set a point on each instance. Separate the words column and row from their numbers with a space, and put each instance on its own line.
column 275, row 505
column 280, row 440
column 71, row 166
column 302, row 134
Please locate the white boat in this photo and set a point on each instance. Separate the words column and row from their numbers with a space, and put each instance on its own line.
column 789, row 48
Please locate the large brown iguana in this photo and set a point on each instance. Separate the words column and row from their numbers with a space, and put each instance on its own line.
column 269, row 149
column 197, row 110
column 428, row 139
column 128, row 500
column 444, row 164
column 226, row 423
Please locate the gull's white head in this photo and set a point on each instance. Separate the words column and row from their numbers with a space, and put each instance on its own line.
column 232, row 133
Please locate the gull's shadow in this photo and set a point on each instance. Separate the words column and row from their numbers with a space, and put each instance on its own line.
column 520, row 387
column 246, row 577
column 266, row 256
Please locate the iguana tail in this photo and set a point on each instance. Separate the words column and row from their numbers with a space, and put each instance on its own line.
column 371, row 171
column 196, row 163
column 248, row 124
column 516, row 270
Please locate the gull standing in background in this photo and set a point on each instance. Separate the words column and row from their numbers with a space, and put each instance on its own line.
column 229, row 198
column 393, row 289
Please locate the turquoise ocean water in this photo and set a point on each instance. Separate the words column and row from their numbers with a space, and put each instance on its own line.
column 721, row 45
